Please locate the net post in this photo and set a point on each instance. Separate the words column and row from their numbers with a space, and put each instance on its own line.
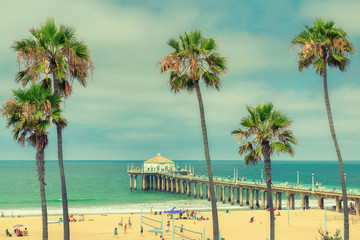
column 173, row 234
column 141, row 217
column 325, row 222
column 288, row 216
column 204, row 234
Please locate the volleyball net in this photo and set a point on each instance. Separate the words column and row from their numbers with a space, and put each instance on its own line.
column 152, row 222
column 188, row 234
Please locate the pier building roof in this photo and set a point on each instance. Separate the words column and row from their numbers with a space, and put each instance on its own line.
column 159, row 159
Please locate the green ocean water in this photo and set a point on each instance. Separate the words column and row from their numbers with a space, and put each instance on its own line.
column 103, row 186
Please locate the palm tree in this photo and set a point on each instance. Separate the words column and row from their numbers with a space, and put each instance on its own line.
column 54, row 50
column 194, row 58
column 30, row 113
column 320, row 46
column 262, row 133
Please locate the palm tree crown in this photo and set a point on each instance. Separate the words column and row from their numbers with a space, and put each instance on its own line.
column 53, row 50
column 30, row 113
column 264, row 127
column 194, row 57
column 323, row 43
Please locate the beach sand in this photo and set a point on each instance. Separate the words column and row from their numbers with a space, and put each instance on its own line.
column 233, row 225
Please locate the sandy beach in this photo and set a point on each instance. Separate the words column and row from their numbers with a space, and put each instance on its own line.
column 233, row 225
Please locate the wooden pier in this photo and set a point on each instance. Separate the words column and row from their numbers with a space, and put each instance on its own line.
column 176, row 184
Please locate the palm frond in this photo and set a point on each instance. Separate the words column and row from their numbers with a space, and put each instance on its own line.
column 194, row 58
column 30, row 112
column 321, row 43
column 54, row 50
column 264, row 131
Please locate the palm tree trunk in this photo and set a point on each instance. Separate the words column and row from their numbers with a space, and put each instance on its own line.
column 208, row 163
column 40, row 163
column 62, row 173
column 267, row 168
column 341, row 166
column 63, row 184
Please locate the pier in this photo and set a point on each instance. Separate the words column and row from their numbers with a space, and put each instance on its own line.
column 247, row 192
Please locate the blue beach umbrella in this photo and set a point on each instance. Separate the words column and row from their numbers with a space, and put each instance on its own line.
column 174, row 211
column 18, row 226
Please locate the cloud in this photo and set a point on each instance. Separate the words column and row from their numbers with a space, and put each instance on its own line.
column 345, row 13
column 251, row 52
column 127, row 110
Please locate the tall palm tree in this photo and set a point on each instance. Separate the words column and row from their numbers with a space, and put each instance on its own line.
column 320, row 46
column 195, row 58
column 262, row 133
column 30, row 113
column 55, row 56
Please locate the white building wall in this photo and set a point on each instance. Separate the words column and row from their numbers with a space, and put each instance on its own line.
column 159, row 167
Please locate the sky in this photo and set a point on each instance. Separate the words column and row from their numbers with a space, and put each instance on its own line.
column 127, row 111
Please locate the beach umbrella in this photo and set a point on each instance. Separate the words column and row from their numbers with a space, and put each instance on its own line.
column 18, row 226
column 155, row 230
column 174, row 211
column 53, row 221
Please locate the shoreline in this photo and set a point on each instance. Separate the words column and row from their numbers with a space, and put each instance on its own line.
column 200, row 204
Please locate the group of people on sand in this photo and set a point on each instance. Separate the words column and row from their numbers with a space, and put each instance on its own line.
column 17, row 232
column 192, row 215
column 81, row 219
column 125, row 227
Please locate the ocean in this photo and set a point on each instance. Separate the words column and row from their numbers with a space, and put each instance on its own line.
column 96, row 187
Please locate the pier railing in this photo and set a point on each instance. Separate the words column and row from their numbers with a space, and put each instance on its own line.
column 175, row 182
column 247, row 182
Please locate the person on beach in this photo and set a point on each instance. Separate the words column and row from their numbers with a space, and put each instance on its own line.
column 141, row 230
column 129, row 222
column 252, row 219
column 125, row 227
column 121, row 222
column 26, row 232
column 7, row 233
column 115, row 233
column 151, row 211
column 182, row 229
column 167, row 226
column 2, row 214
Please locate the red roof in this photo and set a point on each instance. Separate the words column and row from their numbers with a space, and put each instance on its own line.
column 159, row 159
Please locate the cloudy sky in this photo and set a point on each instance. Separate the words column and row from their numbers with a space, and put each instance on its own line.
column 127, row 111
